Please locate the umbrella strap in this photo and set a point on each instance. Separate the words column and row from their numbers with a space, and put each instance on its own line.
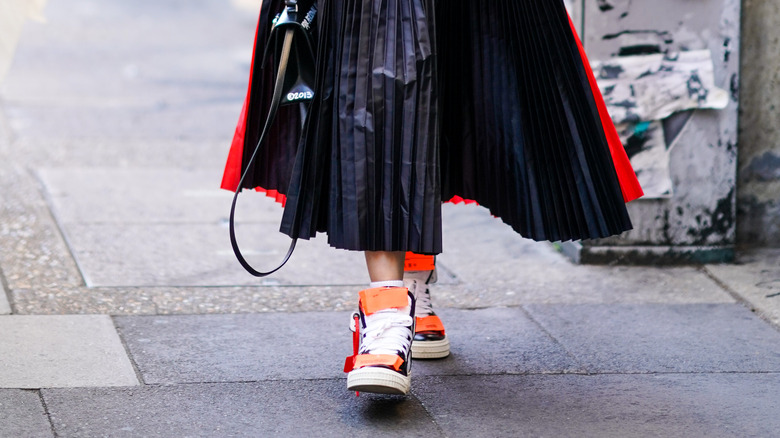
column 277, row 97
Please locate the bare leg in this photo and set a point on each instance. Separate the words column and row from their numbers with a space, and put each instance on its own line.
column 385, row 265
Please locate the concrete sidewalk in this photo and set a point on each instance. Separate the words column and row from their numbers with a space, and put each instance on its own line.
column 124, row 313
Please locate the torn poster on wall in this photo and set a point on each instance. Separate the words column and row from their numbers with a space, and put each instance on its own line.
column 641, row 91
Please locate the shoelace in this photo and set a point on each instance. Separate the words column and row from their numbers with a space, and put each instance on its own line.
column 424, row 307
column 387, row 332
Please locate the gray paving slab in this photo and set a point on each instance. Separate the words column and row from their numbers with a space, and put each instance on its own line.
column 236, row 348
column 700, row 405
column 496, row 341
column 200, row 255
column 297, row 408
column 166, row 227
column 164, row 120
column 62, row 351
column 22, row 414
column 695, row 338
column 756, row 279
column 150, row 195
column 497, row 267
column 133, row 91
column 251, row 347
column 105, row 64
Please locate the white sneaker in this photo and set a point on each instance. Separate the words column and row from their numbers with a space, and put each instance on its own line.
column 383, row 329
column 430, row 339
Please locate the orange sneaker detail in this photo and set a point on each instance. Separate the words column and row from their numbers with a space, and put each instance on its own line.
column 349, row 364
column 389, row 360
column 380, row 298
column 430, row 323
column 418, row 262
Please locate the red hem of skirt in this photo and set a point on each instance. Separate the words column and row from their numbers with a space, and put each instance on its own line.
column 629, row 185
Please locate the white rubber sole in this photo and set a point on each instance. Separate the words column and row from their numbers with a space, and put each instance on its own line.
column 431, row 349
column 379, row 381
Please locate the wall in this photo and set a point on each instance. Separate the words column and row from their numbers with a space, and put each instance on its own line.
column 697, row 222
column 758, row 188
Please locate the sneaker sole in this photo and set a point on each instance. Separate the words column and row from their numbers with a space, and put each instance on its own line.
column 379, row 381
column 431, row 349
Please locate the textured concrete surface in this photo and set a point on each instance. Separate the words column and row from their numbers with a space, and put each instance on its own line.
column 236, row 348
column 755, row 279
column 279, row 346
column 497, row 341
column 62, row 351
column 113, row 209
column 200, row 255
column 494, row 267
column 22, row 414
column 758, row 194
column 298, row 408
column 5, row 306
column 663, row 338
column 709, row 405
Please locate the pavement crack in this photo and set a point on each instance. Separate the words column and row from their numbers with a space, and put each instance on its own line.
column 136, row 368
column 48, row 414
column 556, row 341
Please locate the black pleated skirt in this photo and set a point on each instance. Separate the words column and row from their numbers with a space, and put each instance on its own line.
column 421, row 101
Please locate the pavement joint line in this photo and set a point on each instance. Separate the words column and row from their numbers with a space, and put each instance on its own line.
column 429, row 413
column 46, row 411
column 7, row 291
column 465, row 376
column 129, row 354
column 555, row 340
column 738, row 297
column 59, row 228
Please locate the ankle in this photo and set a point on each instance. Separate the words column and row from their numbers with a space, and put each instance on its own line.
column 387, row 283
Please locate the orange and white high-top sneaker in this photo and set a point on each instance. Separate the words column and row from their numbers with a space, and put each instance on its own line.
column 383, row 331
column 430, row 339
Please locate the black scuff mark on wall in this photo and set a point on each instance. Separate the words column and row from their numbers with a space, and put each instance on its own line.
column 645, row 74
column 664, row 35
column 666, row 229
column 640, row 49
column 610, row 71
column 605, row 6
column 637, row 141
column 628, row 105
column 731, row 148
column 696, row 88
column 755, row 217
column 734, row 87
column 764, row 168
column 727, row 51
column 718, row 222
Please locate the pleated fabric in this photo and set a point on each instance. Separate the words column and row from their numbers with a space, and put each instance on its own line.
column 423, row 100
